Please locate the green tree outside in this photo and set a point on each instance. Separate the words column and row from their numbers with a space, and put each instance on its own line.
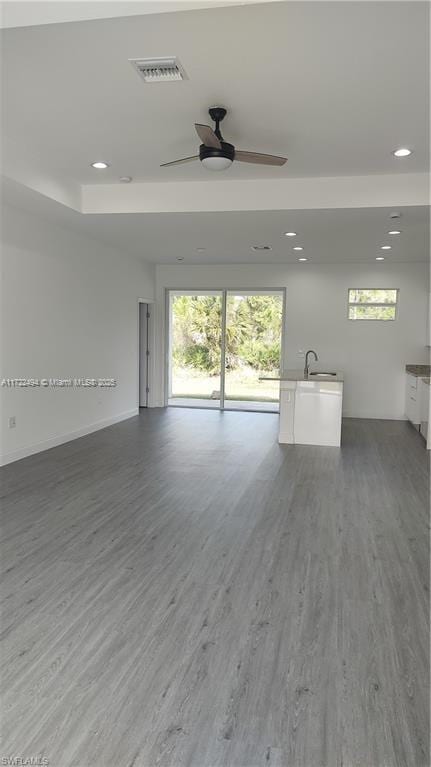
column 252, row 345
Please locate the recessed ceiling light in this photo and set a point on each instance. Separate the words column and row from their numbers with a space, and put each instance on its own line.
column 380, row 258
column 402, row 152
column 302, row 259
column 298, row 247
column 125, row 179
column 290, row 234
column 394, row 231
column 99, row 165
column 385, row 247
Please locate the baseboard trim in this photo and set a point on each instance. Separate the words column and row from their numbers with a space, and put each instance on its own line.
column 39, row 447
column 374, row 417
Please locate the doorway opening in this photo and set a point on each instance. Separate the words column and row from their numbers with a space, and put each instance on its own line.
column 220, row 344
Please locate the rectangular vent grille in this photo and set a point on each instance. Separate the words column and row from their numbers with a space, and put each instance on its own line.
column 261, row 247
column 159, row 70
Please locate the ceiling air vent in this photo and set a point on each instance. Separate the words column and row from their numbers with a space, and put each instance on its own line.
column 261, row 247
column 159, row 70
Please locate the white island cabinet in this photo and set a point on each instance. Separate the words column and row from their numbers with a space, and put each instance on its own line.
column 287, row 412
column 318, row 407
column 310, row 408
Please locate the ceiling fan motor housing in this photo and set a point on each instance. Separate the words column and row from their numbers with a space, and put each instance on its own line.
column 227, row 151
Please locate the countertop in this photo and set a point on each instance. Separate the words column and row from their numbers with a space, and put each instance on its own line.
column 419, row 370
column 298, row 375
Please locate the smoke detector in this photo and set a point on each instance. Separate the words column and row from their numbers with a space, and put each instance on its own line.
column 162, row 70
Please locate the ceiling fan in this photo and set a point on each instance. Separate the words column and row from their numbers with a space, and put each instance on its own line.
column 217, row 154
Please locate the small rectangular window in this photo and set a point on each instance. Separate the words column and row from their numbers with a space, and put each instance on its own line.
column 373, row 303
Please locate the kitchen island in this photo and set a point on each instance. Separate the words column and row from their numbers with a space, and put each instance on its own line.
column 310, row 407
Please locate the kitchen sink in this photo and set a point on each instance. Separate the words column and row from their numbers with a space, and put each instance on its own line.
column 324, row 375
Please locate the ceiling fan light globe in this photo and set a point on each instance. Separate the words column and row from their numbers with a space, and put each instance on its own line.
column 216, row 163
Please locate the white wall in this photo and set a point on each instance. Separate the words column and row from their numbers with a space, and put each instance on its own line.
column 69, row 309
column 372, row 355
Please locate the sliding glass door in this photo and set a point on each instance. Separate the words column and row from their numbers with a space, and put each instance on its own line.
column 195, row 348
column 253, row 350
column 220, row 344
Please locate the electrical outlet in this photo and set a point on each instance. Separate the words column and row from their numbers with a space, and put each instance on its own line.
column 12, row 422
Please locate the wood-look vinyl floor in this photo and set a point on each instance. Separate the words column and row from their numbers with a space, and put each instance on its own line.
column 179, row 590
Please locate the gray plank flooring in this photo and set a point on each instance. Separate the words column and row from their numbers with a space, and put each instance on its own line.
column 180, row 591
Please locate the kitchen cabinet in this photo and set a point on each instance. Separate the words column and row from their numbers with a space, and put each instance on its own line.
column 413, row 404
column 424, row 398
column 287, row 412
column 310, row 408
column 318, row 407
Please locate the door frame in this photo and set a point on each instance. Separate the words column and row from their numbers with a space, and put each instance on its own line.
column 151, row 346
column 224, row 292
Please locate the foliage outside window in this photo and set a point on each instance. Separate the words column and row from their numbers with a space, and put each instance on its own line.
column 196, row 332
column 372, row 303
column 253, row 331
column 207, row 365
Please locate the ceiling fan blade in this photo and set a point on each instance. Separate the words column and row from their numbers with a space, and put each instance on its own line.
column 259, row 158
column 178, row 162
column 207, row 136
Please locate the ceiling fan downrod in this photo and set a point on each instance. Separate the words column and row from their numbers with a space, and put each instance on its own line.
column 217, row 114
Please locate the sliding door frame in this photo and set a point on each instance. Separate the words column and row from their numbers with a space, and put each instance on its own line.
column 224, row 293
column 223, row 349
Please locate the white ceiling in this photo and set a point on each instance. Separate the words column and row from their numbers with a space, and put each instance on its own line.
column 26, row 13
column 328, row 236
column 334, row 85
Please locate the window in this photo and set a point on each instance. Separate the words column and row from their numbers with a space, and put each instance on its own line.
column 372, row 303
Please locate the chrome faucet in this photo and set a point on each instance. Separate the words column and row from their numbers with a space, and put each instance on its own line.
column 307, row 364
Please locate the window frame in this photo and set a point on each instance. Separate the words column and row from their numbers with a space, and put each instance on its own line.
column 384, row 304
